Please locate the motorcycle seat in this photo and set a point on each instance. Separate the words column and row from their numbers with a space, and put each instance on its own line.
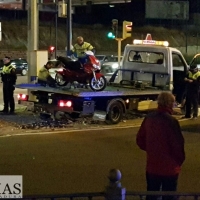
column 70, row 64
column 74, row 65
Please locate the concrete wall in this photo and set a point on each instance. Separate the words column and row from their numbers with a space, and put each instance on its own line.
column 13, row 54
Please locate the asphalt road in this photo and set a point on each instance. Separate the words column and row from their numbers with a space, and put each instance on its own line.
column 79, row 161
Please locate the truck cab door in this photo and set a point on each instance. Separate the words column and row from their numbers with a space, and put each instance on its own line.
column 196, row 61
column 179, row 71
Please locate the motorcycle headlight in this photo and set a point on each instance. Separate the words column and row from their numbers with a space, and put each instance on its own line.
column 96, row 66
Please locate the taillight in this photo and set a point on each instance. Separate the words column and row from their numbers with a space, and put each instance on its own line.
column 60, row 70
column 23, row 97
column 63, row 103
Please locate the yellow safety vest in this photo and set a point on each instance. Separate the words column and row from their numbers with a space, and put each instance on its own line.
column 81, row 49
column 43, row 73
column 7, row 69
column 194, row 76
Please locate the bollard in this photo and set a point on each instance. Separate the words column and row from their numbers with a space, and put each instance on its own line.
column 34, row 79
column 114, row 190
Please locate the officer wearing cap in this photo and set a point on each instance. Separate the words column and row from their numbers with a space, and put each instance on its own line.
column 80, row 48
column 8, row 77
column 192, row 91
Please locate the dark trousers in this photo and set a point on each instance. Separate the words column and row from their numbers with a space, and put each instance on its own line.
column 191, row 101
column 161, row 183
column 8, row 97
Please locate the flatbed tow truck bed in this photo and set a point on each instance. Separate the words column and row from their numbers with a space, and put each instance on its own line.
column 81, row 92
column 111, row 104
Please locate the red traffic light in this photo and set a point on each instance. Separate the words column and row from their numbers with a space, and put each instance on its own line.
column 51, row 48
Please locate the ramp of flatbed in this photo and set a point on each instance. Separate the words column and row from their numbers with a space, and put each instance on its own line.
column 80, row 92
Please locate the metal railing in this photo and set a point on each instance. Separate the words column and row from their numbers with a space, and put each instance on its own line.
column 115, row 191
column 103, row 196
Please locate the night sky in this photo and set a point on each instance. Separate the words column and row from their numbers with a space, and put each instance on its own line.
column 101, row 14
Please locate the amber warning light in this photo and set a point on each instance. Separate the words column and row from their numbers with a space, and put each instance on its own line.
column 148, row 41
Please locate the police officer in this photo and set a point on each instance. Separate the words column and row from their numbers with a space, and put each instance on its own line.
column 8, row 77
column 192, row 91
column 44, row 76
column 80, row 48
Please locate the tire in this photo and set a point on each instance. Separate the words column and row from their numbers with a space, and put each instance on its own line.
column 60, row 80
column 115, row 113
column 24, row 72
column 98, row 85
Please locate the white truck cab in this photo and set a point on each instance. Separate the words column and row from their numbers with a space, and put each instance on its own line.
column 155, row 65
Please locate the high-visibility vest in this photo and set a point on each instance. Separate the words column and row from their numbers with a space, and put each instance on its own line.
column 43, row 73
column 194, row 76
column 81, row 49
column 7, row 69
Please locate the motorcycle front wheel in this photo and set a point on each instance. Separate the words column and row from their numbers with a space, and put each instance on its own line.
column 99, row 84
column 60, row 80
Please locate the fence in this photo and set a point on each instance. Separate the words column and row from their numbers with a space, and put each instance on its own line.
column 115, row 191
column 128, row 196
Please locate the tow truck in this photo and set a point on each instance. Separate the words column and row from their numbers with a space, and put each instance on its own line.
column 134, row 86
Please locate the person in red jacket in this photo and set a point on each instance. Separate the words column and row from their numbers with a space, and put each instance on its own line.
column 161, row 137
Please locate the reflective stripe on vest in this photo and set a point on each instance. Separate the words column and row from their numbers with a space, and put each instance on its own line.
column 194, row 76
column 7, row 69
column 43, row 74
column 80, row 50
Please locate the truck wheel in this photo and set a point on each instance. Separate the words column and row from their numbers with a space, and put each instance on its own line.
column 115, row 113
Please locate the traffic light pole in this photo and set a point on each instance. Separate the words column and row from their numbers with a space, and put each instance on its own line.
column 32, row 39
column 69, row 26
column 119, row 41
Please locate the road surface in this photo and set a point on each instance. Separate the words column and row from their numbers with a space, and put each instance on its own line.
column 79, row 161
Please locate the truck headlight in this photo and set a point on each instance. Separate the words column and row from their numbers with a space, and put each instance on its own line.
column 115, row 65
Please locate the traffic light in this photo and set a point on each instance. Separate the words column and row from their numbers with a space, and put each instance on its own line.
column 114, row 29
column 111, row 35
column 51, row 49
column 127, row 29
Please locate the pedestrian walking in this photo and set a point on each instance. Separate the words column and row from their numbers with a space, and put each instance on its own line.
column 161, row 137
column 8, row 77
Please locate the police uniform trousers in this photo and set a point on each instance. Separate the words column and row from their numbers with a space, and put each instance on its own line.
column 191, row 101
column 8, row 97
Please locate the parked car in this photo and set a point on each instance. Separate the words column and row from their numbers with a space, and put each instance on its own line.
column 109, row 67
column 102, row 58
column 21, row 66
